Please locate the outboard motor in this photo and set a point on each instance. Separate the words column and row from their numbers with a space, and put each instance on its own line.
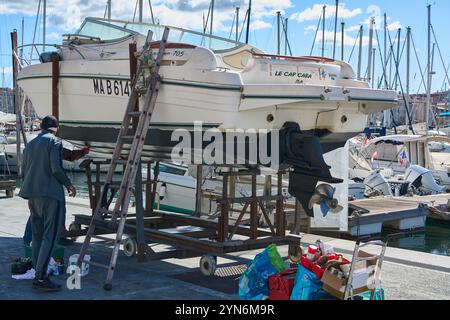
column 423, row 181
column 304, row 152
column 377, row 185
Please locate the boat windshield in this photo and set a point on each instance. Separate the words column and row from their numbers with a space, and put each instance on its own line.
column 115, row 29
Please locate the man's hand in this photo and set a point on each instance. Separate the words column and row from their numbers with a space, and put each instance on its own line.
column 72, row 191
column 86, row 150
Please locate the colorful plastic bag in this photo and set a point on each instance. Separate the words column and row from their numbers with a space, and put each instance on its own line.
column 282, row 284
column 307, row 286
column 254, row 282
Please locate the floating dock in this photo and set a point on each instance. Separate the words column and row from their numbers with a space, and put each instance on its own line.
column 370, row 216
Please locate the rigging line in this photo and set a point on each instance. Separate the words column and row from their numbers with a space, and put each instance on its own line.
column 207, row 19
column 151, row 11
column 418, row 62
column 135, row 9
column 401, row 89
column 106, row 10
column 206, row 25
column 401, row 55
column 35, row 27
column 440, row 53
column 380, row 81
column 315, row 35
column 443, row 83
column 286, row 37
column 354, row 46
column 390, row 54
column 232, row 26
column 243, row 25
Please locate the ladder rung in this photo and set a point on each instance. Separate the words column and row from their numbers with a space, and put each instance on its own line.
column 127, row 137
column 141, row 90
column 103, row 238
column 135, row 113
column 115, row 185
column 121, row 161
column 95, row 264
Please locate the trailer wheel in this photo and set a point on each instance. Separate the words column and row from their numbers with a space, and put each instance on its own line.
column 208, row 265
column 74, row 227
column 130, row 247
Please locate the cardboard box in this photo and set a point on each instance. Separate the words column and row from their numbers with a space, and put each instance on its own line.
column 362, row 272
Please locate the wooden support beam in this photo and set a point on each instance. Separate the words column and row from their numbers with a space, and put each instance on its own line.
column 254, row 211
column 280, row 223
column 198, row 191
column 224, row 212
column 55, row 85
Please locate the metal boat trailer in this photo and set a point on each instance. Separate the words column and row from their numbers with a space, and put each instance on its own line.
column 193, row 236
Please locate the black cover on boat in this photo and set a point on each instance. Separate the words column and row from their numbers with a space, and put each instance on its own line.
column 304, row 152
column 46, row 57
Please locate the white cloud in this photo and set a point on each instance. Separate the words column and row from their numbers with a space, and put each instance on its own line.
column 353, row 28
column 348, row 40
column 68, row 15
column 53, row 36
column 316, row 12
column 259, row 24
column 311, row 28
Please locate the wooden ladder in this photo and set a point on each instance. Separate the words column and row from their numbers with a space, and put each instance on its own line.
column 149, row 87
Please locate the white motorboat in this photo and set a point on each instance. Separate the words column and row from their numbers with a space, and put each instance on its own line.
column 315, row 104
column 393, row 155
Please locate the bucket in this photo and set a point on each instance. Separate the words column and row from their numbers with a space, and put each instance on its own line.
column 73, row 264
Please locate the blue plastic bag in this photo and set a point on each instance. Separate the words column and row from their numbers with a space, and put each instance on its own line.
column 254, row 282
column 307, row 286
column 379, row 295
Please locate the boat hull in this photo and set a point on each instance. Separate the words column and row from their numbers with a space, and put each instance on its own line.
column 93, row 96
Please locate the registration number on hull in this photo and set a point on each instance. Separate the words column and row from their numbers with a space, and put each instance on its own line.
column 111, row 87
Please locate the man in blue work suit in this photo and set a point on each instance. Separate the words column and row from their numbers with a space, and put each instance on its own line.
column 43, row 182
column 68, row 155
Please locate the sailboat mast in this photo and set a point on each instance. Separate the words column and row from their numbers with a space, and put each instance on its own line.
column 278, row 33
column 408, row 66
column 23, row 31
column 212, row 17
column 361, row 32
column 373, row 67
column 369, row 65
column 428, row 104
column 141, row 9
column 335, row 28
column 398, row 57
column 237, row 24
column 386, row 85
column 248, row 20
column 342, row 39
column 44, row 24
column 285, row 36
column 323, row 30
column 109, row 9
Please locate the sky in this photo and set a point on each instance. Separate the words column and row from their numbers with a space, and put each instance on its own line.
column 303, row 18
